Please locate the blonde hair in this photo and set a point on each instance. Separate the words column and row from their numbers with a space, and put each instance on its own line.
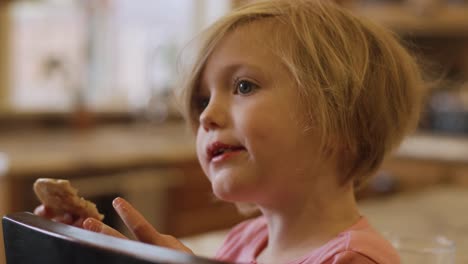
column 359, row 88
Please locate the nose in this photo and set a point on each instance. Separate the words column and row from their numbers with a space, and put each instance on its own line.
column 214, row 116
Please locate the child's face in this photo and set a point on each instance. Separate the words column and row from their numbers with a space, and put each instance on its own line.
column 249, row 108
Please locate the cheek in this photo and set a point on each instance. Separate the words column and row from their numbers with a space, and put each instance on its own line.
column 273, row 137
column 263, row 137
column 254, row 119
column 264, row 123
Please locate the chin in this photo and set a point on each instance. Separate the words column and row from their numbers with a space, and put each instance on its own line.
column 231, row 192
column 223, row 191
column 233, row 186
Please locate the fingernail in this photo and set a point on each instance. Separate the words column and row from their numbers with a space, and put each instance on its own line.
column 117, row 202
column 120, row 205
column 92, row 225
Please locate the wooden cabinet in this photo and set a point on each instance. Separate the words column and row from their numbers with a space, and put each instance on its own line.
column 410, row 174
column 4, row 54
column 415, row 174
column 422, row 161
column 460, row 175
column 418, row 19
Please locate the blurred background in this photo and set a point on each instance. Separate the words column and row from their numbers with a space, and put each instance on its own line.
column 85, row 94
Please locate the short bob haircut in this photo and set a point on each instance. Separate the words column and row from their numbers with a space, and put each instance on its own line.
column 358, row 87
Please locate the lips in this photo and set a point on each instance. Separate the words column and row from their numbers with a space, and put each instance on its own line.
column 218, row 149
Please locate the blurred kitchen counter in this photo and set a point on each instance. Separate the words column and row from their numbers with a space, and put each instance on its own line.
column 126, row 150
column 425, row 160
column 436, row 211
column 433, row 147
column 62, row 151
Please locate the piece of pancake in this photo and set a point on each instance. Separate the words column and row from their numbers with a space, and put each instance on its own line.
column 59, row 196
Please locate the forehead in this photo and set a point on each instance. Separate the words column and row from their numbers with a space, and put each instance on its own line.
column 249, row 45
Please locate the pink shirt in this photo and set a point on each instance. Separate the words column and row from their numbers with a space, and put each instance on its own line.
column 358, row 244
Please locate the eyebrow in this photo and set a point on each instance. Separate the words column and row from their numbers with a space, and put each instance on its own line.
column 231, row 68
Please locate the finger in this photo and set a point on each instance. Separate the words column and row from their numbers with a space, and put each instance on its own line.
column 143, row 230
column 174, row 243
column 40, row 210
column 43, row 211
column 97, row 226
column 137, row 224
column 79, row 222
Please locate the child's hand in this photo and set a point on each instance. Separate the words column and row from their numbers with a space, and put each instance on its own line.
column 138, row 225
column 66, row 218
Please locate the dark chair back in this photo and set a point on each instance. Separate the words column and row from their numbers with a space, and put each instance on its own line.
column 32, row 239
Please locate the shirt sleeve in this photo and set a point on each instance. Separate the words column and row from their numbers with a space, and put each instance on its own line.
column 350, row 257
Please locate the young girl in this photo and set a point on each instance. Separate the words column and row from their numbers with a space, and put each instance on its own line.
column 294, row 105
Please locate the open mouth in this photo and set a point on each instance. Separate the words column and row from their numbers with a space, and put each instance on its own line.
column 218, row 149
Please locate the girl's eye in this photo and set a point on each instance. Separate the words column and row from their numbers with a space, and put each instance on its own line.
column 245, row 87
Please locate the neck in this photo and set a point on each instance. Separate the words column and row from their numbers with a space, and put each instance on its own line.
column 307, row 222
